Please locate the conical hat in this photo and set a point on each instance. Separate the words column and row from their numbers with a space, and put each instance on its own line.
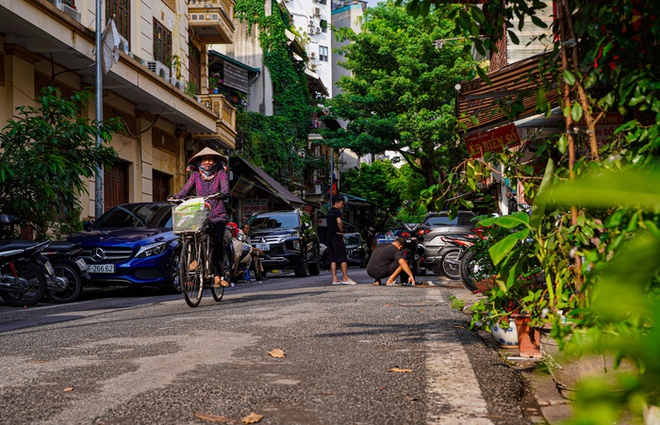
column 206, row 152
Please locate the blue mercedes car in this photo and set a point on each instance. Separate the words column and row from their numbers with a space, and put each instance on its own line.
column 132, row 244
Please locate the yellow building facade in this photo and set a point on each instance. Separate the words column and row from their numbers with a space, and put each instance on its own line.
column 158, row 86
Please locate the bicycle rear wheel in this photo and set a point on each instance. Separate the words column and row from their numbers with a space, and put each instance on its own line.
column 190, row 270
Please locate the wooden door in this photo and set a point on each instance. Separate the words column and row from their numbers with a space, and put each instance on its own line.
column 161, row 186
column 115, row 185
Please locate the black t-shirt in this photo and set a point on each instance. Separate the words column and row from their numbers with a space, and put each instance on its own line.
column 382, row 257
column 333, row 227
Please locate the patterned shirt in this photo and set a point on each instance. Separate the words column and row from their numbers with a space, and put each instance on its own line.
column 218, row 184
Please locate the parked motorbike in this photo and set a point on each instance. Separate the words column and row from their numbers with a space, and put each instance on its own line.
column 411, row 250
column 67, row 266
column 242, row 253
column 456, row 249
column 23, row 269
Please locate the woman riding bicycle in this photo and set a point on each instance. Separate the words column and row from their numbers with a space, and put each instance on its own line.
column 209, row 177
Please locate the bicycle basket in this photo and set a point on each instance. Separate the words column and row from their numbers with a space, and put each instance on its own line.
column 190, row 215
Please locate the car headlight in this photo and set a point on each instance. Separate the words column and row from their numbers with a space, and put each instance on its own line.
column 152, row 249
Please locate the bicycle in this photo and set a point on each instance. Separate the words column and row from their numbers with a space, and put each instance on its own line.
column 190, row 221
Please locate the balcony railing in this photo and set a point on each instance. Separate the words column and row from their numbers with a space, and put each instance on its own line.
column 212, row 20
column 226, row 125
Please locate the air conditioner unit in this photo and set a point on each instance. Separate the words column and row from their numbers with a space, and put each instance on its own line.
column 317, row 30
column 310, row 30
column 73, row 13
column 317, row 189
column 315, row 1
column 312, row 23
column 123, row 45
column 312, row 55
column 317, row 11
column 159, row 68
column 176, row 83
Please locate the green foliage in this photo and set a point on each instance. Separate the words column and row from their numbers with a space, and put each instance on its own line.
column 400, row 95
column 623, row 315
column 456, row 303
column 274, row 142
column 47, row 155
column 375, row 183
column 598, row 259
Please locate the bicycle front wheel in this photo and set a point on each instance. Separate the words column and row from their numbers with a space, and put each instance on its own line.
column 190, row 271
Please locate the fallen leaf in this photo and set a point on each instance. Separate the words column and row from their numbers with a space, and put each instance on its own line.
column 68, row 389
column 421, row 311
column 399, row 370
column 412, row 398
column 252, row 418
column 277, row 353
column 459, row 327
column 387, row 305
column 215, row 418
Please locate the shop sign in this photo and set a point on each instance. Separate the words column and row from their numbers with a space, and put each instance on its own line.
column 492, row 141
column 251, row 206
column 605, row 127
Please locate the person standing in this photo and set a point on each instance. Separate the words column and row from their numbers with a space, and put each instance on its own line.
column 335, row 241
column 209, row 177
column 387, row 262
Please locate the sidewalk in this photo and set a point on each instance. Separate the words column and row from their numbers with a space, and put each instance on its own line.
column 548, row 405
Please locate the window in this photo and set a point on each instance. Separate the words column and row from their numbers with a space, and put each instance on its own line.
column 323, row 53
column 323, row 1
column 162, row 43
column 120, row 10
column 194, row 65
column 324, row 25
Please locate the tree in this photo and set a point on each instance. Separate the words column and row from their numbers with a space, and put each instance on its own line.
column 606, row 59
column 274, row 142
column 375, row 184
column 400, row 96
column 46, row 156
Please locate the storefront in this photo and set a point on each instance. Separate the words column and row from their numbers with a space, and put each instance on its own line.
column 253, row 191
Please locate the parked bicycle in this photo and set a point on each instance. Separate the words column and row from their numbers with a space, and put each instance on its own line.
column 190, row 221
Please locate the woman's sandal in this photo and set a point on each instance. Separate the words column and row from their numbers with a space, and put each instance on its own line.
column 218, row 282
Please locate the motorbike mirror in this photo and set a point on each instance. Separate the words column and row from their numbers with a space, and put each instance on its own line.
column 88, row 224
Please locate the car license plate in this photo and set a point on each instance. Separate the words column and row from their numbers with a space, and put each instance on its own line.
column 263, row 246
column 49, row 268
column 101, row 268
column 82, row 265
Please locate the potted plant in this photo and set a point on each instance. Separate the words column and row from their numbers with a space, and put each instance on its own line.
column 214, row 82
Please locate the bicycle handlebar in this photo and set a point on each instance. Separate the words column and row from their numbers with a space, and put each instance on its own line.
column 206, row 198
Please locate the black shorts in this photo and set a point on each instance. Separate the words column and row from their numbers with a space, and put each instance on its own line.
column 383, row 273
column 337, row 251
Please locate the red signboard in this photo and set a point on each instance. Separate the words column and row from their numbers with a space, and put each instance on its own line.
column 492, row 141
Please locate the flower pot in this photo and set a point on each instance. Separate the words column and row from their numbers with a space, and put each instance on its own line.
column 528, row 337
column 506, row 337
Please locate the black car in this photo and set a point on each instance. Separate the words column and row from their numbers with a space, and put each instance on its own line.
column 288, row 240
column 356, row 251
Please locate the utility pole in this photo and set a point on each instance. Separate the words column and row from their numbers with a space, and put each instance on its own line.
column 98, row 186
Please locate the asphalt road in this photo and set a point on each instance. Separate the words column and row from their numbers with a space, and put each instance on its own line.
column 358, row 354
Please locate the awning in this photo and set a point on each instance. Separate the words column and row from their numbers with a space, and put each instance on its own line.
column 355, row 200
column 480, row 100
column 314, row 83
column 257, row 173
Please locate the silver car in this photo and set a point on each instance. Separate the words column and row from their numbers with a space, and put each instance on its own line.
column 434, row 227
